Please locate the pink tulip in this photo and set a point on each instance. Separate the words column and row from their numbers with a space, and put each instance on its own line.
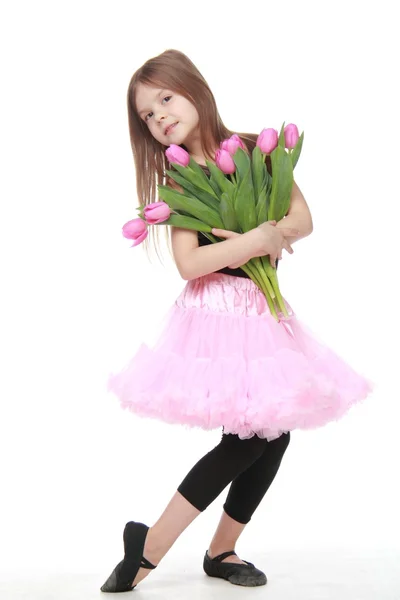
column 135, row 229
column 232, row 144
column 291, row 135
column 224, row 161
column 176, row 154
column 267, row 141
column 157, row 212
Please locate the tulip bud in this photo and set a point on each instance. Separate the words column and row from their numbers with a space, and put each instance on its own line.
column 135, row 229
column 291, row 135
column 224, row 161
column 156, row 212
column 267, row 141
column 176, row 154
column 232, row 144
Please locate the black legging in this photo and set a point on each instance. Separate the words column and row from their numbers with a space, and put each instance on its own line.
column 251, row 466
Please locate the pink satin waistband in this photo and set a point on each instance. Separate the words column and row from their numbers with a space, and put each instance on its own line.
column 219, row 292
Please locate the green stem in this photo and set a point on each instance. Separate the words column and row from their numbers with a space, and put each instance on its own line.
column 251, row 268
column 271, row 272
column 272, row 308
column 279, row 298
column 254, row 273
column 264, row 275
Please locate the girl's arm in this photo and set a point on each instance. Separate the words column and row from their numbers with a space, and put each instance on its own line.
column 298, row 216
column 195, row 261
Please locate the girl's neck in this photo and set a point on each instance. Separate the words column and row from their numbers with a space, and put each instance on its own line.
column 200, row 159
column 195, row 150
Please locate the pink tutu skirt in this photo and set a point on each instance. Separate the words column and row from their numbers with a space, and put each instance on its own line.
column 221, row 359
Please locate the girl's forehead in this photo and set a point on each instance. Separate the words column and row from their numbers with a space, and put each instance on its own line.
column 145, row 94
column 149, row 89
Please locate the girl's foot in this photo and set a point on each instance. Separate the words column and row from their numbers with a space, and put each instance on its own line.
column 152, row 553
column 232, row 559
column 225, row 566
column 135, row 565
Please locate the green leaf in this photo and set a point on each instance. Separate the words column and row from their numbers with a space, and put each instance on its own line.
column 269, row 183
column 195, row 177
column 227, row 212
column 192, row 206
column 266, row 173
column 193, row 189
column 257, row 170
column 262, row 194
column 245, row 204
column 215, row 186
column 196, row 168
column 242, row 162
column 281, row 139
column 186, row 223
column 296, row 150
column 262, row 207
column 282, row 183
column 223, row 182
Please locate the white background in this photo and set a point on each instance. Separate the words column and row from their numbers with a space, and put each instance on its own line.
column 76, row 300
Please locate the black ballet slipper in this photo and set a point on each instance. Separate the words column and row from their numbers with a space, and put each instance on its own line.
column 246, row 575
column 122, row 577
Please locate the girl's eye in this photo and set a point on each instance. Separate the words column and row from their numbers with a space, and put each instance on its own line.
column 167, row 98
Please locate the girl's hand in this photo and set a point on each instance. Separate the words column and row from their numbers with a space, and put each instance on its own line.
column 271, row 241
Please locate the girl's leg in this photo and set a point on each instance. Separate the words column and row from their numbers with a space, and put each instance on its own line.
column 225, row 537
column 177, row 516
column 224, row 463
column 245, row 494
column 201, row 486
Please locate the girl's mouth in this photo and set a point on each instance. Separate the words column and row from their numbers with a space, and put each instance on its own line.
column 170, row 128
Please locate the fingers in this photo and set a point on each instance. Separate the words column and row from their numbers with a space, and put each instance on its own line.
column 225, row 233
column 221, row 233
column 288, row 247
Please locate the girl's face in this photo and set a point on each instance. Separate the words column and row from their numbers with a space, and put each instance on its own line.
column 171, row 118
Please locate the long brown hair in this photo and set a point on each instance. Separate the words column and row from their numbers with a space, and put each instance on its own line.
column 174, row 70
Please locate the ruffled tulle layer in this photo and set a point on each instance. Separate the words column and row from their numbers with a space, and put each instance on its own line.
column 221, row 359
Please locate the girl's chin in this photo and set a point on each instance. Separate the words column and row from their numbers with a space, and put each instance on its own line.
column 177, row 140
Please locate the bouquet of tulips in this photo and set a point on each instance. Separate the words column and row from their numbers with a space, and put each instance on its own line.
column 239, row 194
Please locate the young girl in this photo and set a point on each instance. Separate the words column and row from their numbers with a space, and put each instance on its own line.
column 222, row 360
